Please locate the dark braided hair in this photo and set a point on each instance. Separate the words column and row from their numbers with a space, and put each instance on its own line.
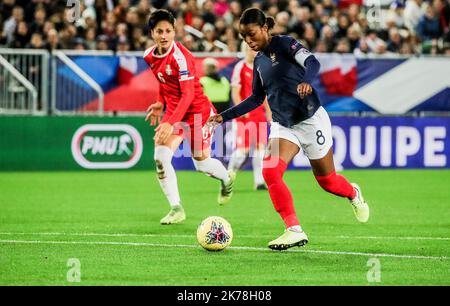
column 256, row 16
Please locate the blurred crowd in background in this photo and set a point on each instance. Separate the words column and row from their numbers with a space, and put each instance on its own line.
column 342, row 26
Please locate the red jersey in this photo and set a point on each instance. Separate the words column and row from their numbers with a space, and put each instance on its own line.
column 242, row 78
column 180, row 89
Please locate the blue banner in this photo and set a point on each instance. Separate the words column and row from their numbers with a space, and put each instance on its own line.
column 361, row 143
column 345, row 83
column 388, row 142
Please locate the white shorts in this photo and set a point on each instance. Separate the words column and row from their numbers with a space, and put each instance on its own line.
column 312, row 135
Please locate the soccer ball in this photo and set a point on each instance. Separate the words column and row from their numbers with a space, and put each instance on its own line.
column 214, row 233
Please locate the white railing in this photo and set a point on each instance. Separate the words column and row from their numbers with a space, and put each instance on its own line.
column 77, row 95
column 33, row 66
column 17, row 94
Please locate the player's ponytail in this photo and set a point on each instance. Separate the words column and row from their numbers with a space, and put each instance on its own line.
column 270, row 22
column 256, row 16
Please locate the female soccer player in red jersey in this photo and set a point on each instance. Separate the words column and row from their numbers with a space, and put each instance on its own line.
column 283, row 71
column 186, row 110
column 250, row 129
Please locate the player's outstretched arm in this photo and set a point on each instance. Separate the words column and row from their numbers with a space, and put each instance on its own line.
column 268, row 110
column 243, row 108
column 236, row 97
column 256, row 99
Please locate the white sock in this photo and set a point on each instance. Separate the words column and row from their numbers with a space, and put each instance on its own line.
column 296, row 228
column 166, row 175
column 213, row 167
column 236, row 160
column 257, row 163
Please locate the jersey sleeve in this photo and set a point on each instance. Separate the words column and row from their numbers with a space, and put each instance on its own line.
column 186, row 65
column 253, row 101
column 161, row 95
column 147, row 55
column 186, row 77
column 294, row 50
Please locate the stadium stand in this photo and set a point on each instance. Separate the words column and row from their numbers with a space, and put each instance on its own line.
column 343, row 26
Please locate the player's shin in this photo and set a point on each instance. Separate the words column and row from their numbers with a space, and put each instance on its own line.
column 337, row 184
column 212, row 167
column 273, row 171
column 237, row 159
column 166, row 175
column 257, row 163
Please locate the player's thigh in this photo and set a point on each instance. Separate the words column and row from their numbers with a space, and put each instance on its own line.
column 201, row 155
column 315, row 135
column 200, row 140
column 282, row 148
column 317, row 141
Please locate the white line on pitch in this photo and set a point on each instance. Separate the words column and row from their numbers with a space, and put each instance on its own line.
column 96, row 234
column 391, row 237
column 245, row 248
column 192, row 236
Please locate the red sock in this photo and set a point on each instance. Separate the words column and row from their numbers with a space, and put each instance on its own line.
column 273, row 170
column 337, row 184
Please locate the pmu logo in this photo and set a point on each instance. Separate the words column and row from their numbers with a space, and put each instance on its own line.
column 107, row 146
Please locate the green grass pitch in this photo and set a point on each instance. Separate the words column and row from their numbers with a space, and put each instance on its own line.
column 109, row 222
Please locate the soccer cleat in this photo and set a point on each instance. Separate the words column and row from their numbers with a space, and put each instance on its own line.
column 261, row 187
column 226, row 190
column 289, row 239
column 360, row 207
column 176, row 215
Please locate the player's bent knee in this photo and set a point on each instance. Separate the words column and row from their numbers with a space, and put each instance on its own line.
column 163, row 154
column 271, row 175
column 326, row 182
column 199, row 158
column 199, row 164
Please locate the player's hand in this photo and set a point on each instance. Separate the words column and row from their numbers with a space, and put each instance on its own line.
column 154, row 113
column 163, row 132
column 214, row 121
column 304, row 89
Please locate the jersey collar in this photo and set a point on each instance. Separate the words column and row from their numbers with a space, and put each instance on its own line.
column 164, row 55
column 269, row 47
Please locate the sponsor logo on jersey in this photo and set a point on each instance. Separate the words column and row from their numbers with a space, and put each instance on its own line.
column 273, row 57
column 107, row 146
column 185, row 72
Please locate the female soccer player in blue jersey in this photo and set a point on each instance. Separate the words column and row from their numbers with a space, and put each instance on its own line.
column 283, row 71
